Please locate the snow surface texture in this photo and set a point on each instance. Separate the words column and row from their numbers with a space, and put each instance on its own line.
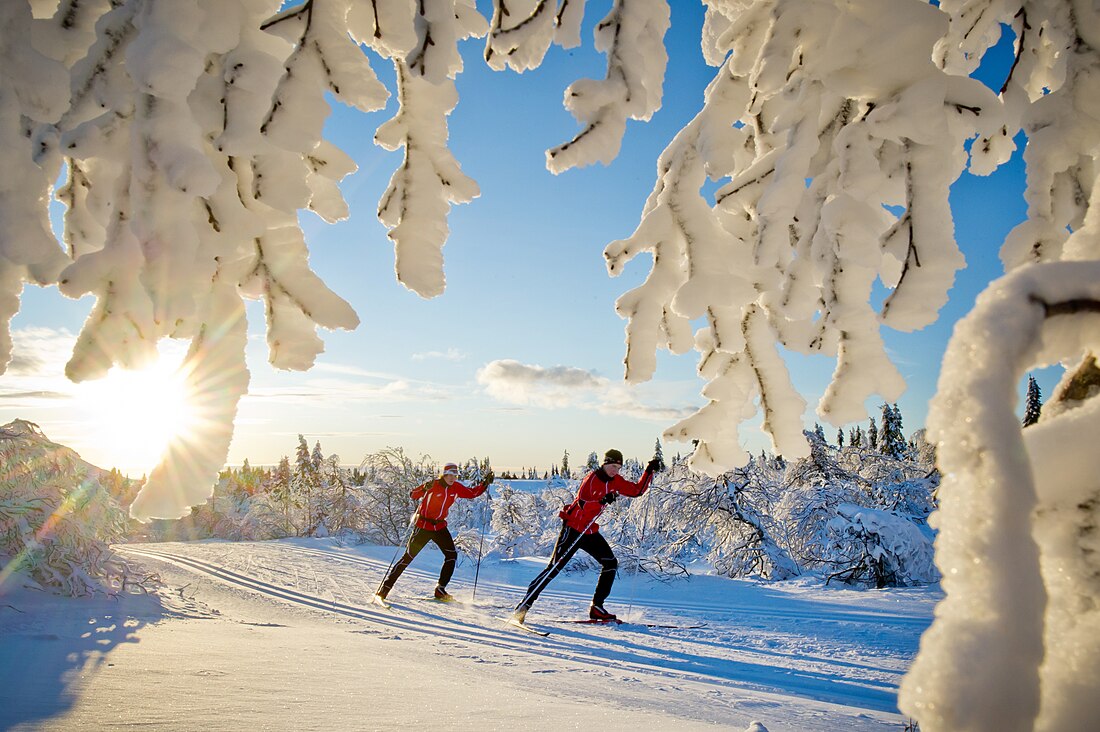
column 282, row 635
column 190, row 132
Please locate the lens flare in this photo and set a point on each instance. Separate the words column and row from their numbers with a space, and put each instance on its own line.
column 140, row 412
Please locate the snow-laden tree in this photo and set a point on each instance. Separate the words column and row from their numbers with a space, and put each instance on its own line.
column 57, row 519
column 878, row 548
column 813, row 489
column 277, row 489
column 514, row 522
column 1033, row 402
column 891, row 436
column 189, row 132
column 388, row 507
column 305, row 485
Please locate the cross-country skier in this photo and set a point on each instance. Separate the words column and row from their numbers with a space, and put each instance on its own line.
column 579, row 530
column 435, row 498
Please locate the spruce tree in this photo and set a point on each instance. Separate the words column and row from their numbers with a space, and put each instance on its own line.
column 1034, row 404
column 840, row 437
column 855, row 436
column 305, row 480
column 872, row 435
column 892, row 439
column 280, row 489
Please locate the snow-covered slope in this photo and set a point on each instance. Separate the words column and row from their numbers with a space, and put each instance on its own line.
column 280, row 635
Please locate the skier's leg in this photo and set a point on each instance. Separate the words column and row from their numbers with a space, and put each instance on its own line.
column 564, row 549
column 417, row 542
column 600, row 550
column 446, row 544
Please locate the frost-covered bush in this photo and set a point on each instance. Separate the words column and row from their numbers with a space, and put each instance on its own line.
column 252, row 518
column 813, row 488
column 515, row 523
column 872, row 547
column 389, row 478
column 56, row 521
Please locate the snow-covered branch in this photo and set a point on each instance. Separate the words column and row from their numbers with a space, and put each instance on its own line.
column 32, row 92
column 819, row 148
column 632, row 36
column 416, row 202
column 1017, row 572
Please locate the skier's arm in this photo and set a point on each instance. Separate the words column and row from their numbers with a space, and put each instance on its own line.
column 630, row 488
column 463, row 491
column 477, row 490
column 419, row 491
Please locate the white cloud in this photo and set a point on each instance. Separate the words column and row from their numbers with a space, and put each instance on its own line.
column 451, row 354
column 560, row 387
column 40, row 352
column 35, row 378
column 337, row 391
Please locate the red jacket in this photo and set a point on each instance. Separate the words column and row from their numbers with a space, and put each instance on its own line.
column 436, row 498
column 584, row 509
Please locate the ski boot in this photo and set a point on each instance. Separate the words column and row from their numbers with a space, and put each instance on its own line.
column 597, row 613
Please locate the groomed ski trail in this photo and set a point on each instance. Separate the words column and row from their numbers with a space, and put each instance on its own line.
column 271, row 571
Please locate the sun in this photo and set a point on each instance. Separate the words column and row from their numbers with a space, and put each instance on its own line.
column 139, row 412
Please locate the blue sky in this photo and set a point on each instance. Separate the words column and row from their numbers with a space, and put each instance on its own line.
column 525, row 281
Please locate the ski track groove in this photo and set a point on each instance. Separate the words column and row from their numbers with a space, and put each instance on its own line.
column 719, row 611
column 621, row 653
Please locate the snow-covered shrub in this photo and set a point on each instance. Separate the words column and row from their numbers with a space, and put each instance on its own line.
column 253, row 518
column 686, row 517
column 390, row 477
column 56, row 521
column 813, row 488
column 515, row 523
column 877, row 548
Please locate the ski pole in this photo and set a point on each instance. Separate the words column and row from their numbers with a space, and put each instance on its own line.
column 638, row 540
column 480, row 551
column 397, row 552
column 481, row 543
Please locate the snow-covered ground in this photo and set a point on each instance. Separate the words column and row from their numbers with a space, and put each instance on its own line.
column 280, row 635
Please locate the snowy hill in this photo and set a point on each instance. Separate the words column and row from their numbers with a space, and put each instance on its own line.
column 280, row 635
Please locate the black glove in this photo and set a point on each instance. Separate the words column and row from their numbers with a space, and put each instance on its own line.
column 656, row 465
column 609, row 498
column 488, row 479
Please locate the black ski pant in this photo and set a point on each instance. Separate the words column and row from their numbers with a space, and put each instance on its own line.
column 419, row 539
column 569, row 541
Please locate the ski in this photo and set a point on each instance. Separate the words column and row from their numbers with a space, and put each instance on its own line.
column 616, row 621
column 439, row 601
column 524, row 626
column 669, row 626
